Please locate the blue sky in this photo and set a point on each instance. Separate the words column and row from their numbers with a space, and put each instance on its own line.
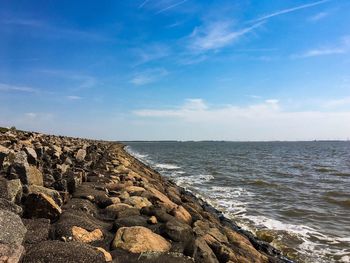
column 177, row 69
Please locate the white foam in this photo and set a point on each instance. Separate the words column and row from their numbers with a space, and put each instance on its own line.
column 167, row 166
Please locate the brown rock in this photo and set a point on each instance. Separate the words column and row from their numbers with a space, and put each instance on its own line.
column 203, row 253
column 182, row 214
column 11, row 253
column 107, row 255
column 81, row 154
column 40, row 205
column 152, row 220
column 139, row 239
column 31, row 155
column 134, row 189
column 159, row 196
column 82, row 235
column 55, row 195
column 138, row 201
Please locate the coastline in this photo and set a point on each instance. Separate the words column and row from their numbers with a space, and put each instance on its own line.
column 108, row 204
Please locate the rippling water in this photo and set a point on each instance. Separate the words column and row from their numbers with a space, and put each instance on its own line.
column 295, row 195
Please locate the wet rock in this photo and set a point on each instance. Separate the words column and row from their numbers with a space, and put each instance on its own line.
column 55, row 195
column 63, row 252
column 138, row 201
column 159, row 212
column 103, row 201
column 11, row 253
column 31, row 155
column 82, row 235
column 11, row 190
column 178, row 231
column 10, row 206
column 139, row 240
column 38, row 230
column 12, row 230
column 80, row 156
column 40, row 205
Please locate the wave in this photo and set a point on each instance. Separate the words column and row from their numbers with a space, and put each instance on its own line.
column 167, row 166
column 263, row 183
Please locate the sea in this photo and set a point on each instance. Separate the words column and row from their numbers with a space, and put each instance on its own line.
column 295, row 195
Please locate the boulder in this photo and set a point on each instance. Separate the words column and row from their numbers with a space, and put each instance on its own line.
column 138, row 201
column 3, row 153
column 63, row 252
column 106, row 254
column 55, row 195
column 139, row 239
column 38, row 230
column 159, row 196
column 80, row 155
column 12, row 230
column 178, row 231
column 137, row 220
column 10, row 206
column 31, row 155
column 82, row 235
column 40, row 205
column 134, row 190
column 114, row 209
column 20, row 168
column 203, row 253
column 11, row 190
column 11, row 253
column 182, row 214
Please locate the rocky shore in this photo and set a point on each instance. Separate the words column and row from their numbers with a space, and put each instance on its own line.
column 74, row 200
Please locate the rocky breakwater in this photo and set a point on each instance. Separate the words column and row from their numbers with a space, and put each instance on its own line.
column 74, row 200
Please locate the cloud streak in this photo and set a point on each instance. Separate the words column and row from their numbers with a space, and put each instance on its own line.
column 217, row 35
column 148, row 76
column 289, row 10
column 13, row 88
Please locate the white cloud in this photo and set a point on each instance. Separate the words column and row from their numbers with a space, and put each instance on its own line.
column 31, row 115
column 261, row 121
column 289, row 10
column 148, row 76
column 13, row 88
column 217, row 35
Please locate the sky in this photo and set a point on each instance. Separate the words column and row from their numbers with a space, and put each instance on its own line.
column 242, row 70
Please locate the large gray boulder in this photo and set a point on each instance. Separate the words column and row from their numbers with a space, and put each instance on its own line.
column 12, row 230
column 11, row 190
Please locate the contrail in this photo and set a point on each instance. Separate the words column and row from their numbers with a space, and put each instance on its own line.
column 285, row 11
column 143, row 4
column 171, row 6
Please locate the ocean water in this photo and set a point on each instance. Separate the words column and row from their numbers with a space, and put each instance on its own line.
column 295, row 195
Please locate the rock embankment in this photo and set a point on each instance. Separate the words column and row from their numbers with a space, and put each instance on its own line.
column 74, row 200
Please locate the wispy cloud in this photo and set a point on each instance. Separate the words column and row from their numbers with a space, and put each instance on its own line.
column 341, row 48
column 13, row 88
column 53, row 31
column 289, row 10
column 171, row 6
column 148, row 76
column 319, row 16
column 151, row 52
column 73, row 97
column 217, row 35
column 83, row 81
